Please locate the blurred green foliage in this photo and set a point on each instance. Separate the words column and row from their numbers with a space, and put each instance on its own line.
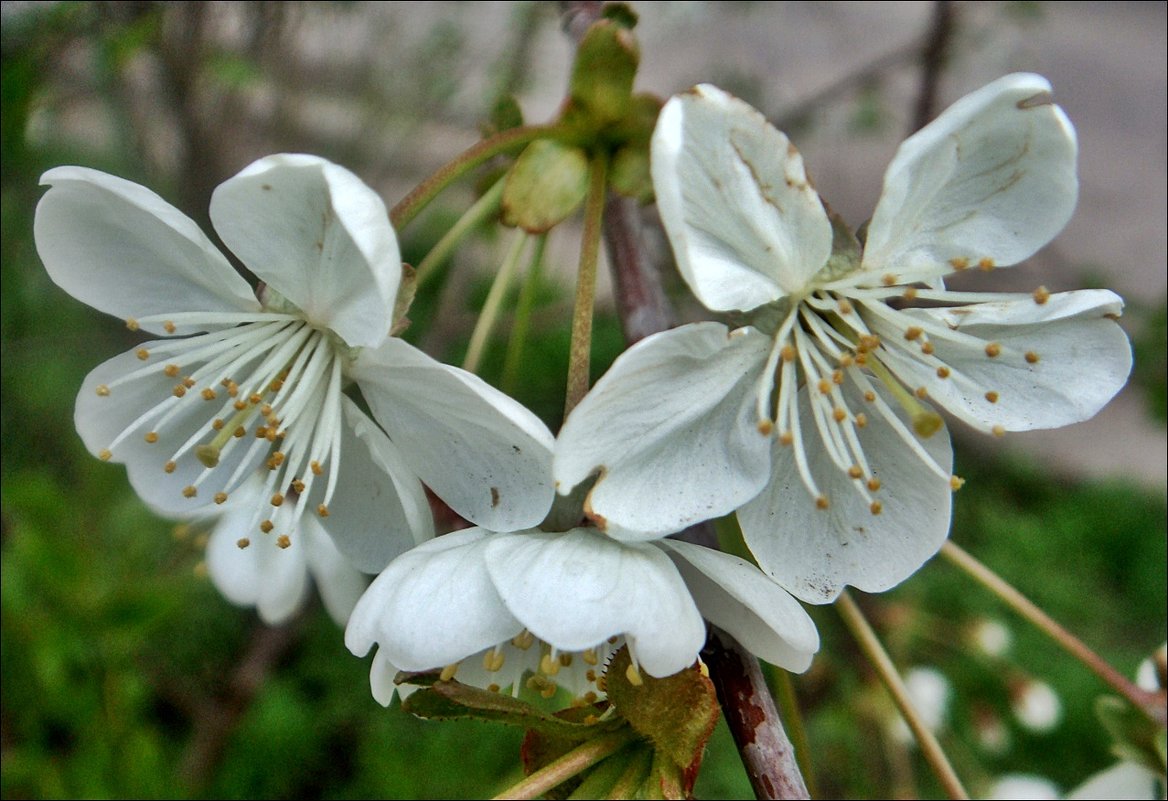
column 126, row 675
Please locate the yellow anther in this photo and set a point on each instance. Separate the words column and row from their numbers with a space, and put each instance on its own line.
column 590, row 675
column 523, row 640
column 208, row 455
column 179, row 390
column 169, row 467
column 105, row 454
column 132, row 324
column 283, row 541
column 549, row 691
column 240, row 405
column 590, row 658
column 493, row 660
column 922, row 393
column 927, row 348
column 169, row 327
column 821, row 502
column 102, row 391
column 493, row 688
column 220, row 498
column 243, row 542
column 566, row 660
column 846, row 360
column 788, row 353
column 998, row 431
column 261, row 432
column 861, row 420
column 993, row 350
column 838, row 414
column 208, row 394
column 272, row 434
column 448, row 672
column 239, row 432
column 188, row 382
column 870, row 396
column 861, row 359
column 266, row 411
column 837, row 377
column 591, row 698
column 255, row 399
column 913, row 332
column 855, row 472
column 322, row 510
column 316, row 468
column 942, row 372
column 549, row 666
column 171, row 370
column 869, row 343
column 959, row 263
column 910, row 293
column 985, row 265
column 876, row 507
column 217, row 424
column 276, row 385
column 786, row 438
column 634, row 676
column 956, row 482
column 142, row 354
column 824, row 386
column 1031, row 357
column 888, row 279
column 277, row 499
column 873, row 484
column 151, row 437
column 927, row 423
column 845, row 306
column 267, row 526
column 991, row 396
column 297, row 486
column 190, row 491
column 765, row 427
column 1041, row 295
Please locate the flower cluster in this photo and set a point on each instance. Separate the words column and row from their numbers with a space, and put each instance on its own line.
column 811, row 420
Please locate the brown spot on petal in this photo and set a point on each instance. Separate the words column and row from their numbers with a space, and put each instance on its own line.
column 1035, row 101
column 494, row 497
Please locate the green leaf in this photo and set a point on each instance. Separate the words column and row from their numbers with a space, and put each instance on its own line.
column 677, row 713
column 1136, row 738
column 547, row 183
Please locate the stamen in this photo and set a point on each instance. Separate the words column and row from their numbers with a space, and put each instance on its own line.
column 448, row 672
column 1031, row 357
column 956, row 482
column 1041, row 295
column 283, row 541
column 243, row 542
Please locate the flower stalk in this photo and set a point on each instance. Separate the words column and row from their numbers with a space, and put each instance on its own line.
column 579, row 357
column 479, row 211
column 570, row 764
column 490, row 313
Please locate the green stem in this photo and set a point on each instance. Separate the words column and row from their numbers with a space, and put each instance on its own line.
column 482, row 208
column 570, row 764
column 408, row 207
column 783, row 690
column 931, row 749
column 580, row 353
column 490, row 313
column 1146, row 702
column 523, row 308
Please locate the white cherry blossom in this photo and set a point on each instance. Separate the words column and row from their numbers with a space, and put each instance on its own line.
column 813, row 421
column 244, row 381
column 494, row 608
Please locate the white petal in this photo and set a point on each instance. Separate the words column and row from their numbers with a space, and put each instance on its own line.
column 432, row 606
column 125, row 251
column 379, row 510
column 317, row 235
column 339, row 583
column 263, row 575
column 1084, row 358
column 576, row 589
column 745, row 224
column 381, row 675
column 482, row 452
column 672, row 428
column 814, row 552
column 993, row 177
column 1123, row 780
column 100, row 420
column 736, row 596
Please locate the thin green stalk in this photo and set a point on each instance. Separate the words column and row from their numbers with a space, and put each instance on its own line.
column 783, row 690
column 408, row 207
column 490, row 313
column 523, row 309
column 1148, row 703
column 931, row 749
column 570, row 764
column 479, row 211
column 580, row 353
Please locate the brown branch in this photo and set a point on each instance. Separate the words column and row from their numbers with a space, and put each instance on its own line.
column 933, row 57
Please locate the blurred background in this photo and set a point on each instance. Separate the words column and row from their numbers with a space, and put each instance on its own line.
column 124, row 672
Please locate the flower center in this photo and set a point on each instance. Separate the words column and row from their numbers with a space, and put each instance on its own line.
column 262, row 394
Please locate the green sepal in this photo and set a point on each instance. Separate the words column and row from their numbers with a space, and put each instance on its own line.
column 1135, row 738
column 448, row 700
column 621, row 14
column 547, row 183
column 846, row 251
column 676, row 713
column 405, row 298
column 601, row 88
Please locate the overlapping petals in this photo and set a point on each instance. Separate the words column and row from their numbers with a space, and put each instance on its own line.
column 859, row 339
column 557, row 604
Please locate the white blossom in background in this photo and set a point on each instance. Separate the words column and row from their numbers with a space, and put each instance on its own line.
column 247, row 381
column 1036, row 706
column 488, row 608
column 1023, row 787
column 930, row 693
column 814, row 420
